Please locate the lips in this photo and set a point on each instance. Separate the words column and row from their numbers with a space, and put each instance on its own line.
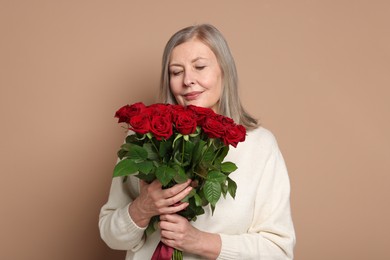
column 192, row 95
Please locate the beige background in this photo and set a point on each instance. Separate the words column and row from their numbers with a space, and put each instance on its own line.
column 317, row 74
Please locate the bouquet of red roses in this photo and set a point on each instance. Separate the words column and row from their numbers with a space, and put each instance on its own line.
column 173, row 143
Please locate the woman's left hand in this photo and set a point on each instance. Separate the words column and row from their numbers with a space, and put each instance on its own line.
column 177, row 232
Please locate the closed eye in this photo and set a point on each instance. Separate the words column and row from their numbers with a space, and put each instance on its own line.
column 176, row 73
column 200, row 67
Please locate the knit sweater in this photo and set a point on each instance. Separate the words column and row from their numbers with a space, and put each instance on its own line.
column 257, row 224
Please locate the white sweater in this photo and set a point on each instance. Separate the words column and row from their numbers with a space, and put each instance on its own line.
column 256, row 224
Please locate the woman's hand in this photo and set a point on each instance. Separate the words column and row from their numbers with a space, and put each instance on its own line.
column 178, row 233
column 153, row 200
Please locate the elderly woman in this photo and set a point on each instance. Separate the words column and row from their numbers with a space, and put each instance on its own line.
column 198, row 69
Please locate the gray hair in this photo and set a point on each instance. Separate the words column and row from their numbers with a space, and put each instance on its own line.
column 230, row 104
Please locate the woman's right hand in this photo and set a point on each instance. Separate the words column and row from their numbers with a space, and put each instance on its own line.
column 153, row 200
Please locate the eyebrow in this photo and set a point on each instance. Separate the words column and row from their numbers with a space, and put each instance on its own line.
column 192, row 61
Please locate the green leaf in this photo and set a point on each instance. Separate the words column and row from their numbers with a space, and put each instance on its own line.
column 212, row 209
column 146, row 177
column 133, row 139
column 212, row 192
column 152, row 153
column 216, row 176
column 198, row 200
column 164, row 148
column 180, row 175
column 221, row 155
column 145, row 166
column 192, row 211
column 165, row 174
column 189, row 148
column 121, row 153
column 203, row 197
column 208, row 155
column 197, row 151
column 124, row 168
column 126, row 147
column 224, row 188
column 228, row 167
column 232, row 187
column 136, row 152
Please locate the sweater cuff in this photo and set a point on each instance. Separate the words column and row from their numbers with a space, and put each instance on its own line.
column 131, row 225
column 229, row 247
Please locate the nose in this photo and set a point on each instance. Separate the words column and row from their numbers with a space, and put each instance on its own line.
column 189, row 79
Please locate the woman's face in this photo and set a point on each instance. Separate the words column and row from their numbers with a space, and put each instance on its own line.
column 195, row 75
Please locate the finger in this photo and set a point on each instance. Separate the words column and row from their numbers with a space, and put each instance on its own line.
column 153, row 186
column 175, row 201
column 173, row 218
column 166, row 226
column 156, row 183
column 142, row 183
column 167, row 234
column 176, row 189
column 169, row 242
column 174, row 209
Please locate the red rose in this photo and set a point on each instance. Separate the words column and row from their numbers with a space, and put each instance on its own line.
column 126, row 112
column 159, row 110
column 140, row 123
column 201, row 113
column 161, row 126
column 213, row 127
column 177, row 108
column 122, row 114
column 234, row 134
column 226, row 121
column 185, row 121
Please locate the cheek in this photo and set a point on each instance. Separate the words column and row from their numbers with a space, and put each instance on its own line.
column 174, row 87
column 213, row 81
column 175, row 92
column 215, row 86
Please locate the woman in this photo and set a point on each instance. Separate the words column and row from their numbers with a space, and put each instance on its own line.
column 198, row 69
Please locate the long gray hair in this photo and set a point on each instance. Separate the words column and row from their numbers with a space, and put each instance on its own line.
column 230, row 104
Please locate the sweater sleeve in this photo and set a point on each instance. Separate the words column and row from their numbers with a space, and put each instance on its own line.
column 117, row 228
column 271, row 234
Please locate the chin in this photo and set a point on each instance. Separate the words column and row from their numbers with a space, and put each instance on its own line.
column 198, row 104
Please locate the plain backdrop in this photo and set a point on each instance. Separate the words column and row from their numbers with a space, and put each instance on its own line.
column 316, row 73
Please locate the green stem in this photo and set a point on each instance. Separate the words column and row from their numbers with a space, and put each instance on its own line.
column 177, row 255
column 182, row 152
column 216, row 155
column 155, row 147
column 157, row 150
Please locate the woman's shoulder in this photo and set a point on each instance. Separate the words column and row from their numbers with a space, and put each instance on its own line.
column 261, row 136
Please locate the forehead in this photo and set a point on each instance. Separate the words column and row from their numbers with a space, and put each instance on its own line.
column 191, row 50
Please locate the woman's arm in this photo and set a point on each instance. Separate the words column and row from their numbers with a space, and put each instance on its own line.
column 116, row 226
column 122, row 220
column 271, row 234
